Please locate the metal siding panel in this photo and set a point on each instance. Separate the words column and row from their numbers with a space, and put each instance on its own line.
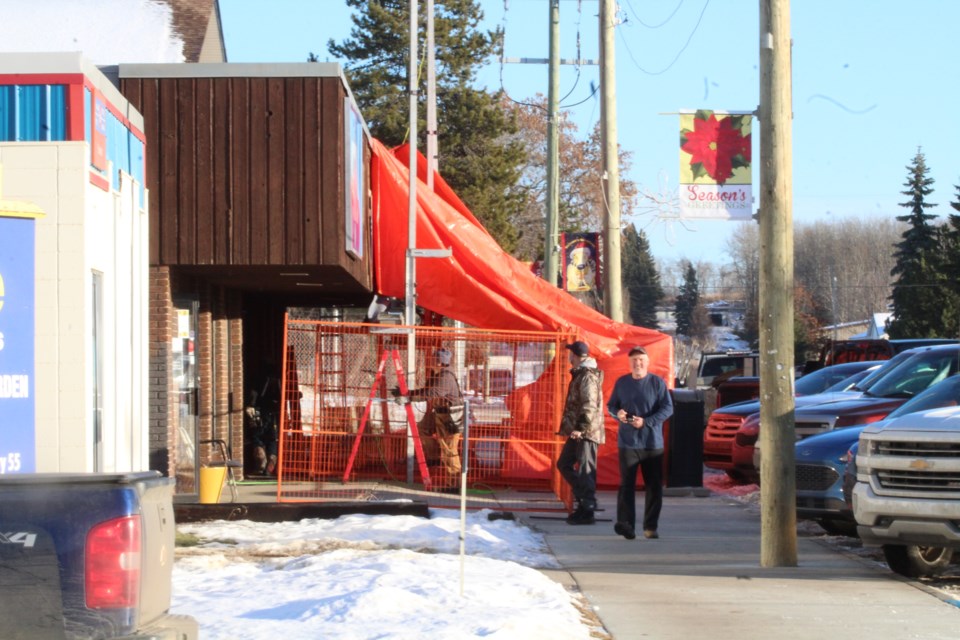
column 113, row 153
column 58, row 111
column 43, row 111
column 116, row 149
column 28, row 114
column 138, row 156
column 8, row 112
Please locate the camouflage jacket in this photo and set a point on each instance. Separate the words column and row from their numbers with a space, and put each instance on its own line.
column 583, row 409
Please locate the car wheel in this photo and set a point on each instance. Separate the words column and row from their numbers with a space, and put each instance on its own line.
column 738, row 476
column 838, row 527
column 914, row 561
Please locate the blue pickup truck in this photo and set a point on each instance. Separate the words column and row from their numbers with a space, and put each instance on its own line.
column 88, row 556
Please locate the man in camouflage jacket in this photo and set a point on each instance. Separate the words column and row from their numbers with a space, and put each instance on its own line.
column 582, row 424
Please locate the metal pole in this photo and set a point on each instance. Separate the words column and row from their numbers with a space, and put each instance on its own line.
column 550, row 249
column 463, row 492
column 778, row 530
column 432, row 158
column 410, row 292
column 613, row 295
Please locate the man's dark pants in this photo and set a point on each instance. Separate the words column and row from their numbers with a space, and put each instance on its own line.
column 650, row 464
column 578, row 466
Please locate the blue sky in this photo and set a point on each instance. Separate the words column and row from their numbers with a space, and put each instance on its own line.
column 873, row 80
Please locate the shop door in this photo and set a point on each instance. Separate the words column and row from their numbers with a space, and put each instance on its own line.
column 187, row 388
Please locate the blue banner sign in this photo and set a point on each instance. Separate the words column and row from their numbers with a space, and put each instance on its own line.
column 17, row 411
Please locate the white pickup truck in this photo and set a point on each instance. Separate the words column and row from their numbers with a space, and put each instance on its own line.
column 907, row 495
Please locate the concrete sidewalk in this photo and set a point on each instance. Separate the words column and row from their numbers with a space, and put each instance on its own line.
column 702, row 579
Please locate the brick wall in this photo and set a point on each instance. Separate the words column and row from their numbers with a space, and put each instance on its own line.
column 219, row 362
column 162, row 443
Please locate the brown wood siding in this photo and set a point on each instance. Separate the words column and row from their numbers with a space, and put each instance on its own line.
column 223, row 197
column 333, row 235
column 311, row 173
column 247, row 172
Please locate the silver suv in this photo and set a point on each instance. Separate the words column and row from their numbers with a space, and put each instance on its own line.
column 907, row 496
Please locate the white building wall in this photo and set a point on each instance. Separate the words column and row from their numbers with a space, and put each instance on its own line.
column 86, row 229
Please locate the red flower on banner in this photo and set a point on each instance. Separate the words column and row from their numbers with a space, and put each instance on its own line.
column 717, row 146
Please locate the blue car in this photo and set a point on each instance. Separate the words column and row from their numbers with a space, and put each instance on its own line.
column 821, row 462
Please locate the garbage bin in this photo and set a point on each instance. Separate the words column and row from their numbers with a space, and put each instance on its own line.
column 685, row 441
column 211, row 484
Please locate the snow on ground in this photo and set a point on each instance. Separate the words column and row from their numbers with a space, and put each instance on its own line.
column 400, row 576
column 373, row 577
column 726, row 340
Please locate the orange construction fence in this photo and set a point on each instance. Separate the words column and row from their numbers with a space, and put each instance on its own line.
column 344, row 435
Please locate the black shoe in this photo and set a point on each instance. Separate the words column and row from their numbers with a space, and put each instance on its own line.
column 625, row 530
column 650, row 534
column 583, row 517
column 576, row 513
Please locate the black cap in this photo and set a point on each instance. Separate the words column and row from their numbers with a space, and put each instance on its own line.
column 637, row 351
column 579, row 348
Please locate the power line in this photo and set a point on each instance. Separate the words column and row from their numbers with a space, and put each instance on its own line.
column 579, row 60
column 654, row 26
column 679, row 53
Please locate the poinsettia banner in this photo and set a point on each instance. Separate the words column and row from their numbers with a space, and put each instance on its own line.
column 715, row 170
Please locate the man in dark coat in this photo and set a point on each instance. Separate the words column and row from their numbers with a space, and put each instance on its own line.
column 641, row 402
column 582, row 424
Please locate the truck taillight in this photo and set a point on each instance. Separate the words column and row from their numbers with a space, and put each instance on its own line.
column 112, row 563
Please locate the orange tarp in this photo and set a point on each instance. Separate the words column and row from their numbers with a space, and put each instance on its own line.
column 484, row 286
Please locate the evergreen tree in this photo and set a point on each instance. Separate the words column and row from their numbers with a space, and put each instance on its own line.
column 950, row 250
column 918, row 309
column 688, row 301
column 479, row 156
column 641, row 280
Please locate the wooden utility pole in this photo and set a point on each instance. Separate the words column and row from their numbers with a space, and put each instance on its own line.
column 778, row 520
column 613, row 294
column 552, row 240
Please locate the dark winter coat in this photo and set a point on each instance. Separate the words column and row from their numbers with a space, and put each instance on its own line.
column 583, row 409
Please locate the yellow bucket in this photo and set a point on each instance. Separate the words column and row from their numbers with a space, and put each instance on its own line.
column 211, row 484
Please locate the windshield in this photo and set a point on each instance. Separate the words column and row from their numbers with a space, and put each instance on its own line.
column 942, row 394
column 850, row 383
column 722, row 365
column 916, row 374
column 877, row 374
column 823, row 379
